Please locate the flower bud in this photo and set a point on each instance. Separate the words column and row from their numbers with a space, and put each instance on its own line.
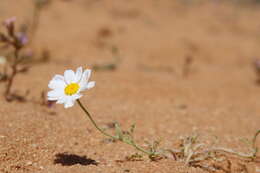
column 9, row 21
column 9, row 24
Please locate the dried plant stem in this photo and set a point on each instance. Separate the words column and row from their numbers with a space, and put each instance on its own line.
column 13, row 74
column 251, row 155
column 254, row 140
column 132, row 143
column 190, row 153
column 230, row 151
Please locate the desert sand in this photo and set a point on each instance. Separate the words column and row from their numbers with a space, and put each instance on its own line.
column 178, row 68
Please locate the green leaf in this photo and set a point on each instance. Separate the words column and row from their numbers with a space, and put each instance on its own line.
column 119, row 132
column 132, row 129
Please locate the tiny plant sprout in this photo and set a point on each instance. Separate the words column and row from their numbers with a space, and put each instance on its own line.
column 68, row 88
column 16, row 40
column 22, row 38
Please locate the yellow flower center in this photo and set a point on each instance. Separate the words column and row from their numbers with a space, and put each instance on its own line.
column 71, row 89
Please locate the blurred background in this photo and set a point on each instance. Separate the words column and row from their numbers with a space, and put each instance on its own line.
column 149, row 57
column 171, row 66
column 197, row 55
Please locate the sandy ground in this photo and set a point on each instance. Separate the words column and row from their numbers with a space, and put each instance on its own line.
column 216, row 95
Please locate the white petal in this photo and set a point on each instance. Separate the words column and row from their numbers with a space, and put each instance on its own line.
column 69, row 102
column 58, row 77
column 54, row 94
column 62, row 100
column 56, row 84
column 69, row 76
column 78, row 74
column 52, row 98
column 91, row 84
column 85, row 77
column 76, row 96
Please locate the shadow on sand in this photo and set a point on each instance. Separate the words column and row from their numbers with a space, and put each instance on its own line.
column 66, row 159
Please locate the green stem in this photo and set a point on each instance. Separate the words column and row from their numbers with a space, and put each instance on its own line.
column 255, row 136
column 254, row 143
column 113, row 137
column 140, row 149
column 93, row 122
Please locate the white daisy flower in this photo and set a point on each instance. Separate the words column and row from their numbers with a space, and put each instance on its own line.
column 66, row 89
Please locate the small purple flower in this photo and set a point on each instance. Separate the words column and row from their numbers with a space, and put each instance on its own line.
column 10, row 21
column 50, row 103
column 22, row 37
column 9, row 24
